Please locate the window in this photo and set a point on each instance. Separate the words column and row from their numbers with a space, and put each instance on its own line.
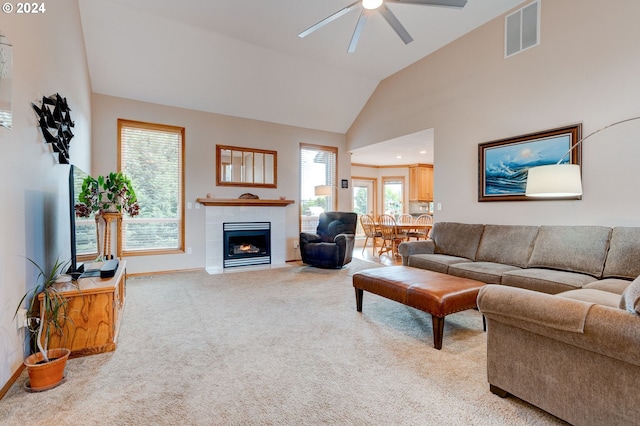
column 318, row 177
column 392, row 195
column 151, row 155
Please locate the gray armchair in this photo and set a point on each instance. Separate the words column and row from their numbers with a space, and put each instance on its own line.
column 332, row 244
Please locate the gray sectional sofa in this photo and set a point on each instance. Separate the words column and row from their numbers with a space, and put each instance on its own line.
column 548, row 259
column 562, row 309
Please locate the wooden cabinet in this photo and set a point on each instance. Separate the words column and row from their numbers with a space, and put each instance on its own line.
column 421, row 182
column 96, row 311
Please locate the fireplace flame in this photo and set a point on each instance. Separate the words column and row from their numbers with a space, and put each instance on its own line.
column 245, row 248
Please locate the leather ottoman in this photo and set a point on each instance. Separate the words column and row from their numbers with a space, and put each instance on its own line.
column 432, row 292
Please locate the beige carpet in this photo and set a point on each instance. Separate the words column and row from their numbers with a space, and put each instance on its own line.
column 274, row 347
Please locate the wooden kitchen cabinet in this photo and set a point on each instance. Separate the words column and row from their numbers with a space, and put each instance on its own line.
column 421, row 182
column 96, row 312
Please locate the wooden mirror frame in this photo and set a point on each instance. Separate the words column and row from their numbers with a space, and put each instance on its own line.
column 245, row 178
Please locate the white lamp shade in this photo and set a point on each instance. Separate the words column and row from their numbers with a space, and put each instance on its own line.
column 322, row 190
column 556, row 180
column 371, row 4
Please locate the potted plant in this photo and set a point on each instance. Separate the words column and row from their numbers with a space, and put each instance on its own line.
column 45, row 319
column 111, row 193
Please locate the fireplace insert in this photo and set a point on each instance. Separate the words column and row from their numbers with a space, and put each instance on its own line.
column 246, row 243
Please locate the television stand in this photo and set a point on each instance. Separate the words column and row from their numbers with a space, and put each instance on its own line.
column 96, row 312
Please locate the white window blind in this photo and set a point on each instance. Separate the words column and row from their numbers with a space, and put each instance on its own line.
column 151, row 155
column 318, row 168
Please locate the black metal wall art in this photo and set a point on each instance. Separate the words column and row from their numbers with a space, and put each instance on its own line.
column 55, row 123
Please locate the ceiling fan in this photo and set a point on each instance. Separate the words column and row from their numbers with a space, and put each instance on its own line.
column 370, row 6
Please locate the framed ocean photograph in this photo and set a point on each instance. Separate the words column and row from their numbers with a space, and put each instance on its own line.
column 503, row 164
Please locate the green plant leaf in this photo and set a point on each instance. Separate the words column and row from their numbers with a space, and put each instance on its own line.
column 54, row 316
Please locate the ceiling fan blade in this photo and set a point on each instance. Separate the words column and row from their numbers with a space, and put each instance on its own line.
column 330, row 18
column 444, row 3
column 358, row 31
column 395, row 24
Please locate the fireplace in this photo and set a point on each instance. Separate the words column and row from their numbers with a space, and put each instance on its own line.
column 246, row 243
column 220, row 211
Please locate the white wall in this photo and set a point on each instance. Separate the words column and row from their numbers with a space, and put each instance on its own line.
column 48, row 57
column 585, row 70
column 202, row 132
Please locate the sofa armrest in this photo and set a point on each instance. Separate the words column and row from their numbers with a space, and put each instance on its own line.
column 601, row 329
column 409, row 248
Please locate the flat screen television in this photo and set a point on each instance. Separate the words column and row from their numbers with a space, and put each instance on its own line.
column 82, row 229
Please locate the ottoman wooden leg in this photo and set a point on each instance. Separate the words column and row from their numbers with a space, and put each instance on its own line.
column 438, row 330
column 359, row 293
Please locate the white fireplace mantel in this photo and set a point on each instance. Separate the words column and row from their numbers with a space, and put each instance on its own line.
column 243, row 202
column 219, row 211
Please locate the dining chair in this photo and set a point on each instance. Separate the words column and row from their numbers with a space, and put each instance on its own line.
column 404, row 219
column 369, row 227
column 391, row 238
column 423, row 228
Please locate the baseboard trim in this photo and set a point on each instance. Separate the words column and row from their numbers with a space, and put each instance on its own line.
column 172, row 271
column 11, row 381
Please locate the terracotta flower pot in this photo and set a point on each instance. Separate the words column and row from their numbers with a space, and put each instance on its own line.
column 46, row 375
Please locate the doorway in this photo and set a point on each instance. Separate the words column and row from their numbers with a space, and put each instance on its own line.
column 364, row 199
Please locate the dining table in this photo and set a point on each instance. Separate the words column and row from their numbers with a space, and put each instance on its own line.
column 406, row 227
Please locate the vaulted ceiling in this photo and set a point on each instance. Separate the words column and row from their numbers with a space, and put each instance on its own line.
column 244, row 58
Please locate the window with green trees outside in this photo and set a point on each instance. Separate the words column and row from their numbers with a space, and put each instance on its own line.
column 151, row 155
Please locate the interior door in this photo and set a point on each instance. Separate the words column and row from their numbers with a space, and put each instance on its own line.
column 364, row 195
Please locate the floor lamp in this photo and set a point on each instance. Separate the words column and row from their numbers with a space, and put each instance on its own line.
column 560, row 180
column 323, row 191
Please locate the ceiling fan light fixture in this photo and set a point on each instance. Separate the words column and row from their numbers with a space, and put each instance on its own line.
column 380, row 6
column 371, row 4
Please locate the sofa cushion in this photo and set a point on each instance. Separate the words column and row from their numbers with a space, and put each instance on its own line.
column 545, row 280
column 457, row 239
column 612, row 285
column 434, row 262
column 487, row 272
column 630, row 299
column 592, row 295
column 508, row 244
column 624, row 252
column 581, row 249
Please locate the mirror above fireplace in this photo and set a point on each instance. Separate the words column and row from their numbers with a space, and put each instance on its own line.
column 248, row 167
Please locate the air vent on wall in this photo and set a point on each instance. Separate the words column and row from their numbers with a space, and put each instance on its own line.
column 522, row 29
